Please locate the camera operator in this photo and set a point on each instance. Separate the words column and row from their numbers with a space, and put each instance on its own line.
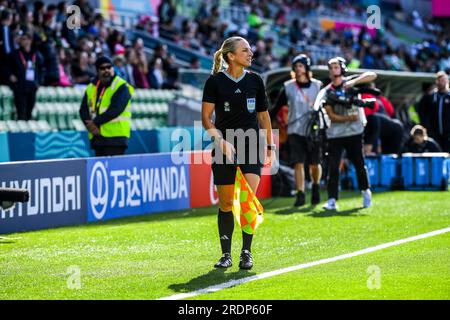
column 346, row 128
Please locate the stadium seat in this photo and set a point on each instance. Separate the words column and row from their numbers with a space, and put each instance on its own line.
column 24, row 126
column 3, row 126
column 78, row 125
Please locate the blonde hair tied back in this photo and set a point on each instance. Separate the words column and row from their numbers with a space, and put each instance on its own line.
column 220, row 57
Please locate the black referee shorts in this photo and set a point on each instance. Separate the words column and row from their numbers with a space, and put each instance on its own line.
column 299, row 150
column 249, row 160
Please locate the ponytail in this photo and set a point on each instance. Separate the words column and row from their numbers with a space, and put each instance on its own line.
column 220, row 57
column 217, row 62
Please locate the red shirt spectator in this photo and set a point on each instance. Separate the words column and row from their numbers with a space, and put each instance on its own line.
column 382, row 105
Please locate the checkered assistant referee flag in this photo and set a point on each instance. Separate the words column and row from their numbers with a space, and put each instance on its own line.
column 246, row 207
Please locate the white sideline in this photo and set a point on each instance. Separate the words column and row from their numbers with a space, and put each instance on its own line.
column 274, row 273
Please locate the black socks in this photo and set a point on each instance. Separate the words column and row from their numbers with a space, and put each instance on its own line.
column 246, row 241
column 226, row 227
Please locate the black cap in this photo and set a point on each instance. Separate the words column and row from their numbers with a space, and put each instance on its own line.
column 101, row 60
column 303, row 59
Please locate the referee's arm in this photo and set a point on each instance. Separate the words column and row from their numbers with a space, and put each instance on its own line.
column 207, row 111
column 264, row 123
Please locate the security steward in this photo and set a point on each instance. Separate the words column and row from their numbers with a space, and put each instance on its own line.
column 106, row 110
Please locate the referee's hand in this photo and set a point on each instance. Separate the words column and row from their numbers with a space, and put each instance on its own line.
column 228, row 150
column 270, row 154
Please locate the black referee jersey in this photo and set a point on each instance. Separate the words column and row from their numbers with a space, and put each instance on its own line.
column 237, row 101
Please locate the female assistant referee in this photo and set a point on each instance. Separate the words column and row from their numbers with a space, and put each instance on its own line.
column 239, row 100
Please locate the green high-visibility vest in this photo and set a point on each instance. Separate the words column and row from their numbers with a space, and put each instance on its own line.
column 117, row 127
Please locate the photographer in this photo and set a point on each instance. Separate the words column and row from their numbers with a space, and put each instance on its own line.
column 419, row 142
column 346, row 128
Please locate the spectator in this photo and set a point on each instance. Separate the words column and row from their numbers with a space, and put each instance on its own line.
column 6, row 43
column 47, row 47
column 353, row 62
column 444, row 63
column 419, row 142
column 86, row 9
column 140, row 71
column 170, row 32
column 195, row 63
column 171, row 74
column 161, row 51
column 149, row 24
column 101, row 46
column 130, row 58
column 51, row 12
column 71, row 35
column 421, row 107
column 437, row 108
column 381, row 126
column 82, row 72
column 61, row 13
column 25, row 75
column 64, row 68
column 116, row 42
column 138, row 46
column 166, row 12
column 38, row 13
column 295, row 32
column 119, row 65
column 156, row 74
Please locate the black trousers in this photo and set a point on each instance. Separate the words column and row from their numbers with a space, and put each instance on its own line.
column 443, row 141
column 109, row 151
column 24, row 99
column 353, row 145
column 389, row 131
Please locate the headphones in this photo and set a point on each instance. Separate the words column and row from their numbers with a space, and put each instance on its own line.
column 341, row 61
column 303, row 59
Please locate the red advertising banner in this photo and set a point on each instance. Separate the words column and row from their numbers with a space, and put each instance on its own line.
column 203, row 190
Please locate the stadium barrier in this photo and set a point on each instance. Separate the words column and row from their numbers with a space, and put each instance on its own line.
column 57, row 194
column 4, row 147
column 427, row 171
column 76, row 191
column 27, row 146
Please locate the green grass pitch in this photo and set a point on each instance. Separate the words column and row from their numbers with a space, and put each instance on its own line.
column 159, row 255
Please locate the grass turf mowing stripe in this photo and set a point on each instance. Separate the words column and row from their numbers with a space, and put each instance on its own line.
column 274, row 273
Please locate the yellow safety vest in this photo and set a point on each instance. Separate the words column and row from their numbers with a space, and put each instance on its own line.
column 117, row 127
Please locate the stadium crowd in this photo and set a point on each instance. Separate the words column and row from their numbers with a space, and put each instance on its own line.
column 286, row 19
column 68, row 54
column 65, row 56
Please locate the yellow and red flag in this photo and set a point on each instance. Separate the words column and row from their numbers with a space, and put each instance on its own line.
column 246, row 207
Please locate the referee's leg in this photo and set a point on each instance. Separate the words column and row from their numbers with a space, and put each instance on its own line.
column 246, row 259
column 225, row 217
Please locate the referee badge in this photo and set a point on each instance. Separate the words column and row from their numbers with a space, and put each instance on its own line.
column 251, row 103
column 226, row 106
